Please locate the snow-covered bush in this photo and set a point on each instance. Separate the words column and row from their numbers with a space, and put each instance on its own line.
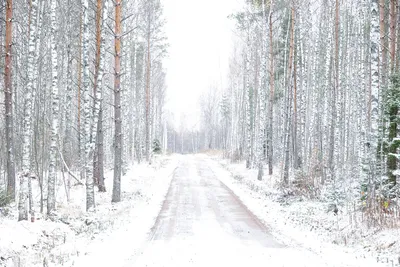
column 4, row 199
column 305, row 186
column 156, row 146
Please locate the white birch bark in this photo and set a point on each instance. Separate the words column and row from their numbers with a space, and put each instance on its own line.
column 98, row 98
column 90, row 201
column 263, row 90
column 27, row 127
column 51, row 197
column 271, row 93
column 68, row 97
column 372, row 138
column 248, row 105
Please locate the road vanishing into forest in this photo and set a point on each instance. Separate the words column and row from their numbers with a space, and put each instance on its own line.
column 203, row 223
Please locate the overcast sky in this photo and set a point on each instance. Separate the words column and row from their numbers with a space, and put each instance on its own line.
column 200, row 38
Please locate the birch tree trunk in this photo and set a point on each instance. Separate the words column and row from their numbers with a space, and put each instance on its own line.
column 393, row 16
column 271, row 94
column 100, row 151
column 372, row 138
column 68, row 99
column 248, row 93
column 99, row 99
column 51, row 197
column 289, row 94
column 382, row 37
column 27, row 127
column 263, row 89
column 79, row 102
column 331, row 159
column 102, row 13
column 148, row 89
column 296, row 158
column 99, row 10
column 88, row 160
column 8, row 101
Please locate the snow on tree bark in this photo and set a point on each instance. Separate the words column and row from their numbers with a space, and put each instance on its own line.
column 372, row 138
column 90, row 201
column 51, row 197
column 393, row 13
column 116, row 194
column 271, row 94
column 27, row 126
column 98, row 102
column 263, row 90
column 68, row 140
column 289, row 85
column 8, row 101
column 248, row 105
column 148, row 86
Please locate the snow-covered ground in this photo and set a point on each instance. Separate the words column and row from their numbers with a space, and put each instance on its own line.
column 195, row 220
column 76, row 238
column 203, row 223
column 308, row 223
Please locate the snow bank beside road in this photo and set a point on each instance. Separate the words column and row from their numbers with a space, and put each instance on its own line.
column 305, row 223
column 79, row 239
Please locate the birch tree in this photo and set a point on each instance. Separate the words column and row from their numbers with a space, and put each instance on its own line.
column 8, row 103
column 90, row 201
column 372, row 137
column 51, row 197
column 331, row 112
column 27, row 127
column 100, row 65
column 271, row 93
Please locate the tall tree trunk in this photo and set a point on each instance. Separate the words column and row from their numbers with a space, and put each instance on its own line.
column 397, row 51
column 79, row 104
column 248, row 93
column 372, row 137
column 9, row 102
column 148, row 115
column 27, row 126
column 101, row 16
column 289, row 93
column 67, row 151
column 335, row 90
column 383, row 58
column 99, row 9
column 393, row 17
column 51, row 197
column 271, row 94
column 262, row 101
column 100, row 152
column 97, row 101
column 88, row 160
column 116, row 194
column 296, row 158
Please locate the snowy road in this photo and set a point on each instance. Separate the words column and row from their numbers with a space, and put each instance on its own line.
column 203, row 223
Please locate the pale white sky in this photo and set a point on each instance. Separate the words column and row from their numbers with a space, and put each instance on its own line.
column 200, row 38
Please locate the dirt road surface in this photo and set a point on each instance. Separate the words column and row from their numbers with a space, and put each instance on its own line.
column 203, row 223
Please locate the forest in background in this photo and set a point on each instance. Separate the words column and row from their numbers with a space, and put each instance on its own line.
column 313, row 96
column 83, row 90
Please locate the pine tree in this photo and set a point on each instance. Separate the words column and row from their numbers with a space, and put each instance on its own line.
column 116, row 195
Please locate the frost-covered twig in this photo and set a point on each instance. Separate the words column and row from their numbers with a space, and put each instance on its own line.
column 68, row 170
